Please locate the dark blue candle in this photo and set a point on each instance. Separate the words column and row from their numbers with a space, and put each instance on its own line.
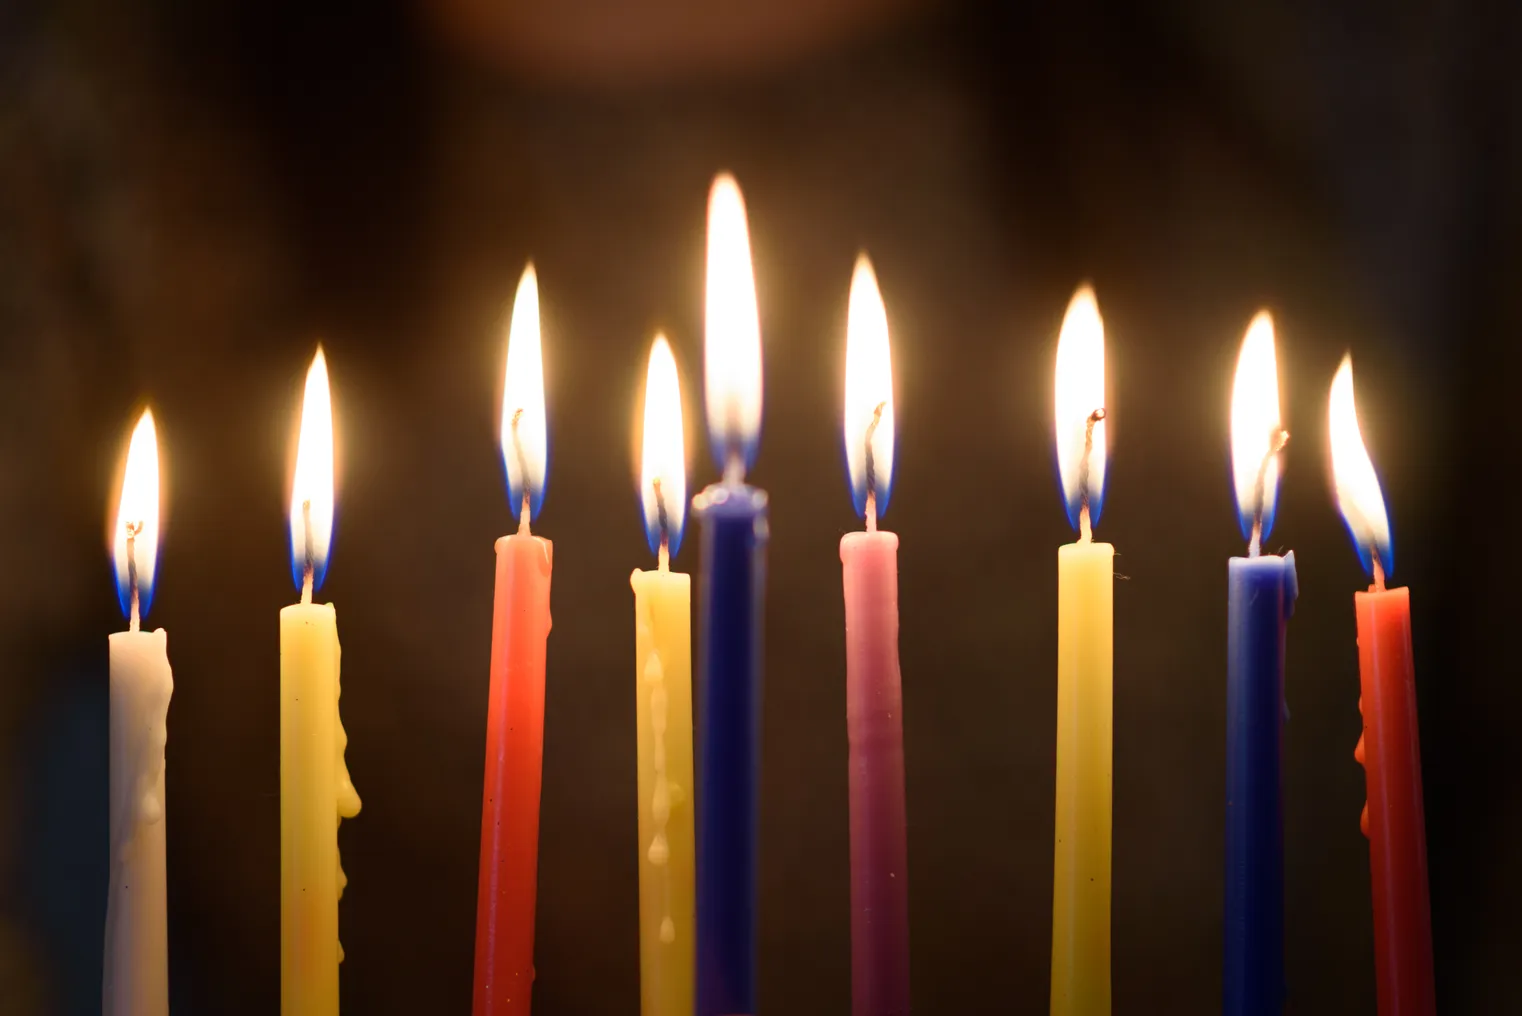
column 1262, row 596
column 729, row 749
column 732, row 586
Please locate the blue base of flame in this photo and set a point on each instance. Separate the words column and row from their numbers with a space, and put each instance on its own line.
column 124, row 595
column 1074, row 504
column 535, row 495
column 298, row 568
column 653, row 530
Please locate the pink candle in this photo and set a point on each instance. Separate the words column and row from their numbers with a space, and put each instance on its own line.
column 874, row 702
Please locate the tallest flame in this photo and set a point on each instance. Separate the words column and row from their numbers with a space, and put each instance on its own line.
column 135, row 538
column 732, row 330
column 312, row 483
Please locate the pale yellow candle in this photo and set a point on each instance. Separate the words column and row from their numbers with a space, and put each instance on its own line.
column 663, row 711
column 315, row 791
column 136, row 975
column 1085, row 684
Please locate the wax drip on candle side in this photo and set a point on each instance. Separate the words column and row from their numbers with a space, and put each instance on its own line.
column 348, row 803
column 871, row 467
column 666, row 794
column 1276, row 442
column 141, row 801
column 1085, row 530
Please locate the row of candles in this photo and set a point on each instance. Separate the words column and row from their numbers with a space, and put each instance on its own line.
column 697, row 841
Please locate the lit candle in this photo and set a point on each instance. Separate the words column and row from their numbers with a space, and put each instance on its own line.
column 734, row 546
column 874, row 699
column 1389, row 748
column 663, row 707
column 1262, row 590
column 1085, row 678
column 315, row 791
column 507, row 885
column 137, row 955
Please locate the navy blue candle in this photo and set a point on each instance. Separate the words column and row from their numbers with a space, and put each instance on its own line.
column 1261, row 598
column 732, row 587
column 729, row 752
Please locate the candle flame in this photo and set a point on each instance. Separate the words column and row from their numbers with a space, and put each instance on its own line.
column 312, row 482
column 135, row 537
column 1358, row 493
column 732, row 330
column 869, row 421
column 1080, row 407
column 525, row 448
column 663, row 466
column 1256, row 430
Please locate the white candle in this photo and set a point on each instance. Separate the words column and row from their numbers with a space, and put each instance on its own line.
column 136, row 981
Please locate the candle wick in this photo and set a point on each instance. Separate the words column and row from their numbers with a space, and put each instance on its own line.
column 309, row 554
column 1085, row 529
column 1379, row 570
column 1277, row 439
column 871, row 466
column 662, row 523
column 134, row 619
column 663, row 557
column 734, row 469
column 522, row 460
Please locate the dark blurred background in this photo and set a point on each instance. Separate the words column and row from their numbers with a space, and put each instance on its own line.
column 192, row 195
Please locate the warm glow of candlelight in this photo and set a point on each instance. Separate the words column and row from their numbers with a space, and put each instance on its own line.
column 1256, row 431
column 525, row 446
column 312, row 482
column 137, row 519
column 869, row 423
column 1358, row 493
column 732, row 336
column 1080, row 407
column 663, row 456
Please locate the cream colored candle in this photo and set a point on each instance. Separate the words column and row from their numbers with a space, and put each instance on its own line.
column 315, row 790
column 663, row 710
column 1085, row 679
column 136, row 975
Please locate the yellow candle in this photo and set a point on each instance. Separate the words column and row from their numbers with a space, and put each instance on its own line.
column 315, row 791
column 1085, row 702
column 663, row 711
column 1081, row 872
column 136, row 979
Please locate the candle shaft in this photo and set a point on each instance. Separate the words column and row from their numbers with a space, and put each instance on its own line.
column 734, row 525
column 137, row 950
column 315, row 793
column 1391, row 756
column 504, row 969
column 1085, row 724
column 663, row 715
column 874, row 726
column 1262, row 596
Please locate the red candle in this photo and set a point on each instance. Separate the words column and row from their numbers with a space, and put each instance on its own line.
column 515, row 709
column 1389, row 749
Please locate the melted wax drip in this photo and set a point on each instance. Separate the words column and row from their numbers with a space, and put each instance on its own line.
column 348, row 798
column 666, row 794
